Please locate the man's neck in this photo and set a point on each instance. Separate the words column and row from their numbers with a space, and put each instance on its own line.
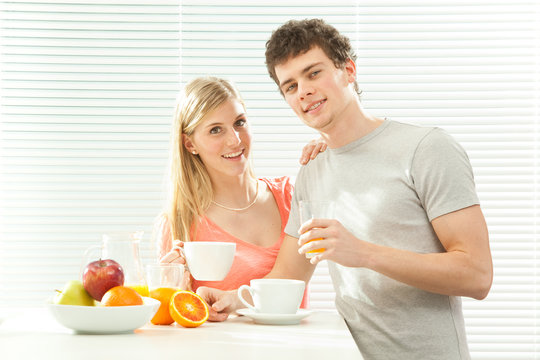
column 354, row 124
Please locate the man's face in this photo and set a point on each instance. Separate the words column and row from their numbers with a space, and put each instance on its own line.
column 317, row 91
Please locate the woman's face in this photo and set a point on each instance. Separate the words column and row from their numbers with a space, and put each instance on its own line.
column 222, row 140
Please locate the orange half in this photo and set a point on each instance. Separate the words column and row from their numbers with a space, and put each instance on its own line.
column 188, row 309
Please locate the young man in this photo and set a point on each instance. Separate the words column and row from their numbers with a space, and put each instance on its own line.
column 408, row 238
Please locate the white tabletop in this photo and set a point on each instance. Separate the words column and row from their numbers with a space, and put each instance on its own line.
column 35, row 334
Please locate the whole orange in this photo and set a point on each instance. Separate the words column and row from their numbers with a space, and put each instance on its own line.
column 121, row 296
column 163, row 294
column 188, row 309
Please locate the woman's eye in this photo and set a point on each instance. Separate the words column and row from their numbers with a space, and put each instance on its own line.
column 215, row 130
column 240, row 122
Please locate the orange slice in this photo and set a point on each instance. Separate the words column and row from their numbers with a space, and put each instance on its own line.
column 163, row 315
column 188, row 309
column 121, row 296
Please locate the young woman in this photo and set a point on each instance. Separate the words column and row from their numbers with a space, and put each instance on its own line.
column 214, row 194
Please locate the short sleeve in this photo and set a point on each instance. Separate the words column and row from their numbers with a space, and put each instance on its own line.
column 288, row 189
column 293, row 224
column 442, row 175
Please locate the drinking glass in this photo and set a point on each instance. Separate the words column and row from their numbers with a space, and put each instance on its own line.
column 315, row 210
column 164, row 276
column 163, row 281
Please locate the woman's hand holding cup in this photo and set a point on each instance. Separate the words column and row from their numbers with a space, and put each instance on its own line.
column 175, row 255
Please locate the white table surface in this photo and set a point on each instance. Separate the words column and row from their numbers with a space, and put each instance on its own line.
column 33, row 333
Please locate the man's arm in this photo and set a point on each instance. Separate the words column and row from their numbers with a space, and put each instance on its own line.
column 465, row 269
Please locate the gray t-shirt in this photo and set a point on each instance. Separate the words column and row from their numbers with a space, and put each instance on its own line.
column 387, row 186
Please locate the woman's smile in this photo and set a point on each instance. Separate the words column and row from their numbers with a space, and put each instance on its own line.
column 234, row 156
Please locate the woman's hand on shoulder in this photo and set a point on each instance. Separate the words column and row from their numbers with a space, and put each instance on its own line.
column 174, row 256
column 312, row 149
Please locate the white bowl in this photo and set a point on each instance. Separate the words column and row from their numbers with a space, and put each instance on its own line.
column 104, row 319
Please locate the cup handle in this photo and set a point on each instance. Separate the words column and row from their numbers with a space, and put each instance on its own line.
column 186, row 267
column 250, row 290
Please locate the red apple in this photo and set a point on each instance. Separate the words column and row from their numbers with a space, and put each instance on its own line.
column 101, row 275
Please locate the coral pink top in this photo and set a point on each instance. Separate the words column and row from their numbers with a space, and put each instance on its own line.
column 250, row 261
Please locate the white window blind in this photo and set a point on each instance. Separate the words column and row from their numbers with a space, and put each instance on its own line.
column 88, row 90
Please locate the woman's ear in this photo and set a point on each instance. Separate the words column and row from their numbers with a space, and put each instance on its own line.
column 188, row 144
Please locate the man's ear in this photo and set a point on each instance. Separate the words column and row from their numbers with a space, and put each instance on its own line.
column 188, row 144
column 350, row 69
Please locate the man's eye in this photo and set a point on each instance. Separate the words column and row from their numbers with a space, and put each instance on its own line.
column 315, row 73
column 290, row 88
column 215, row 130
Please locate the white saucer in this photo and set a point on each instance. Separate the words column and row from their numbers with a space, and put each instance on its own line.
column 275, row 319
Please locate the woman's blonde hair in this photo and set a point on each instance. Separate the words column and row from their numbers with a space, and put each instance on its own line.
column 190, row 192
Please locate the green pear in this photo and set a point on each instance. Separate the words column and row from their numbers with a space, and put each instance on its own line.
column 73, row 294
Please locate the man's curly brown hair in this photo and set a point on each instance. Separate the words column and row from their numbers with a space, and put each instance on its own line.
column 297, row 37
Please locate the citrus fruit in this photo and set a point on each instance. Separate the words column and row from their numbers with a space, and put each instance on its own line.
column 163, row 316
column 121, row 296
column 141, row 289
column 188, row 309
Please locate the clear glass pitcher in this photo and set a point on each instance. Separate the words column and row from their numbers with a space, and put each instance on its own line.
column 124, row 249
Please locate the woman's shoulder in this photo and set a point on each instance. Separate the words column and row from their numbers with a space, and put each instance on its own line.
column 162, row 221
column 282, row 184
column 281, row 187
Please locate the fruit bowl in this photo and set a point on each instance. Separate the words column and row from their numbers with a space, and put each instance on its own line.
column 104, row 319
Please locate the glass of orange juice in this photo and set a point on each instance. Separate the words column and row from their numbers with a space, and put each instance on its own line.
column 315, row 210
column 164, row 275
column 163, row 281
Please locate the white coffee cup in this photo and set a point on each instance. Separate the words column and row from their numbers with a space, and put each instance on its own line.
column 274, row 296
column 209, row 260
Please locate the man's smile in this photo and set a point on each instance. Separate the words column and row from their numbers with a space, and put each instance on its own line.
column 314, row 105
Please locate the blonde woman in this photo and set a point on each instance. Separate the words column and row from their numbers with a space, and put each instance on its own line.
column 214, row 193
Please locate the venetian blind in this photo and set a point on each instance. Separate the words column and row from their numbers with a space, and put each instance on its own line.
column 87, row 91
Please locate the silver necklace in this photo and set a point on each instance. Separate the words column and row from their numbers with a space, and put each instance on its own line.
column 244, row 208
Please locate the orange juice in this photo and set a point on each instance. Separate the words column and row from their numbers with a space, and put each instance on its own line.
column 315, row 210
column 312, row 253
column 142, row 289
